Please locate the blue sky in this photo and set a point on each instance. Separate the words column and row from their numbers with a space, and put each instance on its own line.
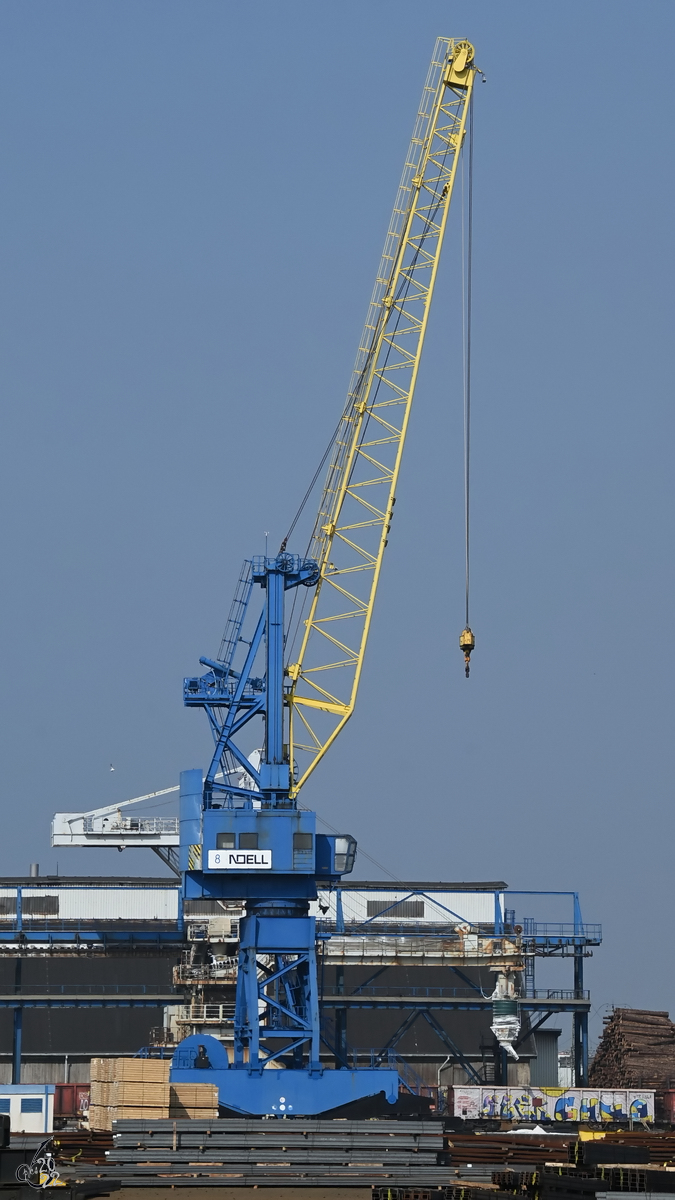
column 194, row 202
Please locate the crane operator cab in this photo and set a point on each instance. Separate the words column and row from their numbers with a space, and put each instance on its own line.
column 245, row 853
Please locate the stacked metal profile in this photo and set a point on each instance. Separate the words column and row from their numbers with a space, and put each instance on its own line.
column 624, row 1162
column 276, row 1152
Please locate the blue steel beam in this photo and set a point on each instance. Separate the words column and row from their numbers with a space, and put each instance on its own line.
column 102, row 990
column 83, row 937
column 449, row 1003
column 444, row 1037
column 16, row 1044
column 428, row 992
column 18, row 1002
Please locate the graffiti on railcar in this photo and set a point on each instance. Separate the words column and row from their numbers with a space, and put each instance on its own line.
column 531, row 1104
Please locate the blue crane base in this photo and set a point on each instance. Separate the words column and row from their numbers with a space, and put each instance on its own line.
column 277, row 1093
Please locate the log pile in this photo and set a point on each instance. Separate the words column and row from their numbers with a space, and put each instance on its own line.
column 637, row 1049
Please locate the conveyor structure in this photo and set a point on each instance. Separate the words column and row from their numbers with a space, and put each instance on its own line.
column 112, row 826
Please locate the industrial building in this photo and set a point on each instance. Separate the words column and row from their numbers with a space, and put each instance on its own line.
column 92, row 967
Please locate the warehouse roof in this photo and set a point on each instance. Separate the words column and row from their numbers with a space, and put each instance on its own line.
column 390, row 885
column 112, row 881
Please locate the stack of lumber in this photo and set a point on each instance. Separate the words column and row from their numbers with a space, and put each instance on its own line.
column 138, row 1089
column 196, row 1101
column 637, row 1049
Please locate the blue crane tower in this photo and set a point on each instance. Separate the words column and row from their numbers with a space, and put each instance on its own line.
column 259, row 846
column 242, row 833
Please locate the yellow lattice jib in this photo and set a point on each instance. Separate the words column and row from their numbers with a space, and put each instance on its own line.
column 350, row 533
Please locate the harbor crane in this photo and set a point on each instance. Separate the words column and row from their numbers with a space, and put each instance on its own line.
column 258, row 844
column 292, row 657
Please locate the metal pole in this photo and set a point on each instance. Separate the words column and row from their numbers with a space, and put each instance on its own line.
column 340, row 1021
column 583, row 1038
column 580, row 1023
column 580, row 1049
column 16, row 1044
column 339, row 912
column 501, row 1067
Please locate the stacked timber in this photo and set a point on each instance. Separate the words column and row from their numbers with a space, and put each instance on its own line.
column 138, row 1089
column 637, row 1049
column 194, row 1101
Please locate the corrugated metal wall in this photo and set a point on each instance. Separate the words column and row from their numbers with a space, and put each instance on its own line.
column 79, row 1031
column 91, row 903
column 440, row 908
column 544, row 1068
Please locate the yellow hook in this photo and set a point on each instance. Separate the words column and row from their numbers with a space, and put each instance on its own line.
column 466, row 643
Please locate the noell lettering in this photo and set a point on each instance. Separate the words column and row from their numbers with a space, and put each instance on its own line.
column 240, row 860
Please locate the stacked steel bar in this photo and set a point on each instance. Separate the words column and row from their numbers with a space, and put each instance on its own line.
column 613, row 1163
column 637, row 1049
column 407, row 1156
column 72, row 1146
column 273, row 1153
column 495, row 1149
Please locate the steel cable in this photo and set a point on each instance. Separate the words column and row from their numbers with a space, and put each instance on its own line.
column 467, row 369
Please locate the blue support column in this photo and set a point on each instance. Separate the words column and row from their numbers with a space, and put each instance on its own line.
column 240, row 1011
column 288, row 990
column 16, row 1044
column 340, row 1020
column 312, row 998
column 274, row 772
column 578, row 920
column 580, row 1023
column 248, row 1004
column 581, row 1049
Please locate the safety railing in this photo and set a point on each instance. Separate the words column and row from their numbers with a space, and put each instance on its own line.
column 561, row 929
column 378, row 927
column 89, row 989
column 563, row 995
column 218, row 1014
column 224, row 971
column 381, row 928
column 141, row 825
column 401, row 991
column 408, row 1075
column 39, row 923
